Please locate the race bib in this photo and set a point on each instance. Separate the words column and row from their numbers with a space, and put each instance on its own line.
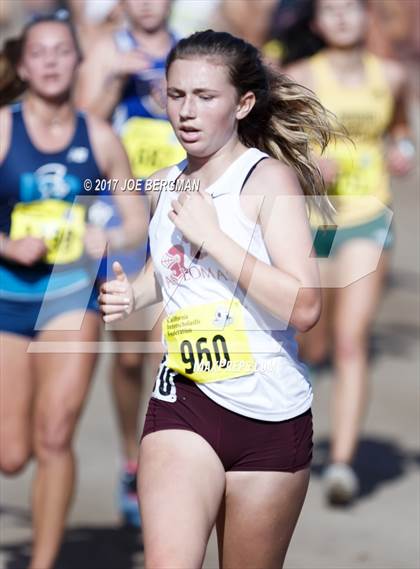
column 360, row 170
column 209, row 342
column 60, row 224
column 151, row 144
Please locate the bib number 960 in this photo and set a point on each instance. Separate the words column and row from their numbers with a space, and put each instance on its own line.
column 193, row 356
column 209, row 342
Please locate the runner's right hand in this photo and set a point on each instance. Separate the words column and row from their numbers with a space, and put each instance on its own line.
column 116, row 298
column 26, row 251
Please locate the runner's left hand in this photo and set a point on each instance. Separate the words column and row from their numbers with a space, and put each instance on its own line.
column 194, row 214
column 399, row 164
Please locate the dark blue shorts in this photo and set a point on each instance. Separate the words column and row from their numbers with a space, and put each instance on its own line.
column 21, row 317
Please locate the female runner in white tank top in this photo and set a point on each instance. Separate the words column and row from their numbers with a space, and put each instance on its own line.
column 228, row 434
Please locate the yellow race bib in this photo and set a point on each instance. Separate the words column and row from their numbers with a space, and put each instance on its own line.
column 361, row 169
column 60, row 224
column 209, row 342
column 151, row 144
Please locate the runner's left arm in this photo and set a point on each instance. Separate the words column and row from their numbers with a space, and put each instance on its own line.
column 401, row 150
column 289, row 286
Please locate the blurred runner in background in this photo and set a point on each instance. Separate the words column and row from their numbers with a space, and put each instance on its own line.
column 394, row 29
column 123, row 79
column 49, row 155
column 367, row 95
column 248, row 19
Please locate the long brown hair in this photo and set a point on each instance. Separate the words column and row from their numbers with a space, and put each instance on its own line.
column 11, row 86
column 287, row 121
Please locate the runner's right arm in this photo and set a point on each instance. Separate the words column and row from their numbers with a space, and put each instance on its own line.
column 119, row 298
column 98, row 89
column 102, row 76
column 146, row 288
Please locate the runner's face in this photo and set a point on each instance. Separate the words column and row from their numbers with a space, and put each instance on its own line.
column 49, row 59
column 202, row 105
column 148, row 15
column 341, row 23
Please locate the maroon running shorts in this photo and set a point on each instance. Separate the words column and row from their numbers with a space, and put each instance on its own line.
column 240, row 442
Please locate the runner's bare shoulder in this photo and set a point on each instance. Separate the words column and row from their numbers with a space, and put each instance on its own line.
column 272, row 178
column 106, row 145
column 396, row 75
column 5, row 131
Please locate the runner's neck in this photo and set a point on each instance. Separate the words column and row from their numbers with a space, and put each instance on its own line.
column 345, row 61
column 157, row 43
column 47, row 113
column 210, row 169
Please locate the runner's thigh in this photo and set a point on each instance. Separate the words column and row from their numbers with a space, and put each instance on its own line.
column 260, row 513
column 16, row 395
column 63, row 379
column 181, row 484
column 356, row 304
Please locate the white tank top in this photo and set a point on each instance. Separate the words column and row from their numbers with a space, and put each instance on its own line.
column 278, row 389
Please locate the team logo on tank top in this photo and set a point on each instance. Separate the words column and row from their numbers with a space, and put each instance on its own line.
column 175, row 260
column 49, row 181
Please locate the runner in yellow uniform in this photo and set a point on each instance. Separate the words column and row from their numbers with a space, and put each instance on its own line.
column 365, row 110
column 367, row 96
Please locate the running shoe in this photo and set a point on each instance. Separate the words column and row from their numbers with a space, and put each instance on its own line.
column 128, row 504
column 341, row 484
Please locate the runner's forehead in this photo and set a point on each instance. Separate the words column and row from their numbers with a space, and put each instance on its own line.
column 200, row 73
column 49, row 33
column 338, row 4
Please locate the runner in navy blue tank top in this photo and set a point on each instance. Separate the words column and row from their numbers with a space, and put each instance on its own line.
column 37, row 183
column 49, row 156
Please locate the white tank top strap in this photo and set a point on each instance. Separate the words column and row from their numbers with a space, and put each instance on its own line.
column 257, row 157
column 176, row 170
column 236, row 175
